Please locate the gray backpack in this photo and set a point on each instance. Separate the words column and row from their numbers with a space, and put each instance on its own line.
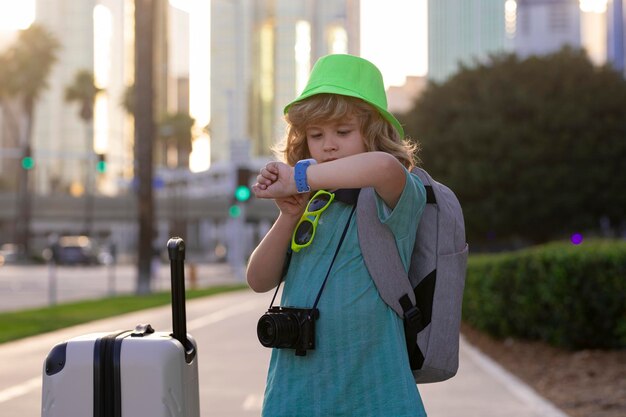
column 429, row 299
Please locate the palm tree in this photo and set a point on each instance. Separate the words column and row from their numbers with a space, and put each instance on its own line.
column 175, row 132
column 128, row 100
column 84, row 91
column 26, row 66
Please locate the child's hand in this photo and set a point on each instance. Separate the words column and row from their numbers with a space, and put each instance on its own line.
column 267, row 176
column 293, row 205
column 275, row 181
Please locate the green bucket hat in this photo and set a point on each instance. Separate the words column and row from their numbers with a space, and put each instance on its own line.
column 349, row 75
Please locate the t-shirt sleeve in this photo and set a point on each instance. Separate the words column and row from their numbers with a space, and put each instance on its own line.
column 404, row 218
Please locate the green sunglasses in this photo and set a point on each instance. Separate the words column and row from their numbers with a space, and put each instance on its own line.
column 305, row 229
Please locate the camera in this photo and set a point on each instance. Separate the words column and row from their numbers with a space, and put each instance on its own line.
column 288, row 328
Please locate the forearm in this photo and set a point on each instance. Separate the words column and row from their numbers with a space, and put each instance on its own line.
column 370, row 169
column 266, row 263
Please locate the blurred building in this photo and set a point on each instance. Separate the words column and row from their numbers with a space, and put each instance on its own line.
column 401, row 99
column 545, row 26
column 231, row 64
column 261, row 56
column 594, row 29
column 461, row 31
column 468, row 31
column 616, row 41
column 96, row 35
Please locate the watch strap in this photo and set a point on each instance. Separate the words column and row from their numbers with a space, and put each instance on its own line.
column 299, row 175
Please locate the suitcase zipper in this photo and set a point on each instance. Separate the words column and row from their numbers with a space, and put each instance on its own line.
column 107, row 401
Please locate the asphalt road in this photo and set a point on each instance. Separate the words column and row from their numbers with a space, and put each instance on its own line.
column 24, row 287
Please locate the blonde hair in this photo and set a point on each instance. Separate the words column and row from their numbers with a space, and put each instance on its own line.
column 378, row 134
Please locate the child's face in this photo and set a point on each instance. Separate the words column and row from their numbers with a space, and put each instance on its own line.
column 330, row 141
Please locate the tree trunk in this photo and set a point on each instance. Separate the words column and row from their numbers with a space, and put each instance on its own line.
column 23, row 215
column 144, row 136
column 90, row 166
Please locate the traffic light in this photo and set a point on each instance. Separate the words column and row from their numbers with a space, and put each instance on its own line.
column 242, row 189
column 101, row 165
column 234, row 211
column 28, row 162
column 242, row 192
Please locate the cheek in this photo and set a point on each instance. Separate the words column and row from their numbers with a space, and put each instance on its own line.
column 359, row 144
column 313, row 147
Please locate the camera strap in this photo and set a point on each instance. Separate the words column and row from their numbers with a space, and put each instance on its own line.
column 319, row 294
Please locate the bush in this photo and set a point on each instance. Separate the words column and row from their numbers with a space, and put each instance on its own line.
column 533, row 147
column 569, row 296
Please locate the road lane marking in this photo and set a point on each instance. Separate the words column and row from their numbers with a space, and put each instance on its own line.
column 253, row 402
column 222, row 314
column 21, row 389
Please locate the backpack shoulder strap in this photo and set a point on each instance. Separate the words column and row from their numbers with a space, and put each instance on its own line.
column 381, row 256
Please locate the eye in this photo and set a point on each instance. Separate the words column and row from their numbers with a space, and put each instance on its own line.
column 344, row 132
column 314, row 135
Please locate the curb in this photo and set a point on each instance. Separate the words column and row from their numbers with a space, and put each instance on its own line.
column 513, row 384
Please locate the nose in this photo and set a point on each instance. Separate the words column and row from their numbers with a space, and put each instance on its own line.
column 330, row 144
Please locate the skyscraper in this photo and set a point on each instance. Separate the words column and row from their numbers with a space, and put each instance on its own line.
column 616, row 38
column 545, row 26
column 95, row 35
column 261, row 55
column 59, row 137
column 461, row 31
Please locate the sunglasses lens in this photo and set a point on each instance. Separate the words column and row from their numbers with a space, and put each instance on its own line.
column 304, row 232
column 319, row 202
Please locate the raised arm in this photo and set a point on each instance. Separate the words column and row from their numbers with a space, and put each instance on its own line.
column 369, row 169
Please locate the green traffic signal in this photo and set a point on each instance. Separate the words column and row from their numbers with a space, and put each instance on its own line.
column 101, row 165
column 28, row 162
column 242, row 193
column 234, row 211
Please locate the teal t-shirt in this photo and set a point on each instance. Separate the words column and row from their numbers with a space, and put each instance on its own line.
column 360, row 365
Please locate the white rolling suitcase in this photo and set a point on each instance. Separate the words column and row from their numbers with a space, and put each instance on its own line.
column 135, row 373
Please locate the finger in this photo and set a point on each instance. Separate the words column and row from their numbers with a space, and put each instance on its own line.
column 263, row 180
column 302, row 198
column 268, row 175
column 272, row 171
column 272, row 167
column 259, row 191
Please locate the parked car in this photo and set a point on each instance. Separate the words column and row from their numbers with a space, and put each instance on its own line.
column 75, row 250
column 10, row 253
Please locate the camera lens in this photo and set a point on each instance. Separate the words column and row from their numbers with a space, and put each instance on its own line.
column 278, row 330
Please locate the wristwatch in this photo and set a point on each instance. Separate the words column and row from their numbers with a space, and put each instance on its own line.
column 299, row 175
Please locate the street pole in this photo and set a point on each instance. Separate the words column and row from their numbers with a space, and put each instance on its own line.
column 89, row 193
column 52, row 282
column 236, row 243
column 23, row 208
column 144, row 137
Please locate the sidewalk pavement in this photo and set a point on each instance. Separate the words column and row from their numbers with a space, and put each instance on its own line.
column 482, row 388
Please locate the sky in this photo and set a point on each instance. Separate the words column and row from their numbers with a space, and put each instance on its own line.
column 16, row 15
column 394, row 37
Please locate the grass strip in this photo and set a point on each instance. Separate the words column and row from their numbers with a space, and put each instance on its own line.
column 20, row 324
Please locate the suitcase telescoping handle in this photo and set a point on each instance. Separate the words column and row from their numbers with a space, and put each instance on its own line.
column 176, row 252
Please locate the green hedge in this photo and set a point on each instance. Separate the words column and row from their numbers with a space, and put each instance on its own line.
column 569, row 296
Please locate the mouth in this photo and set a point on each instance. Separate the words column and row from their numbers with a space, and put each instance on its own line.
column 329, row 159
